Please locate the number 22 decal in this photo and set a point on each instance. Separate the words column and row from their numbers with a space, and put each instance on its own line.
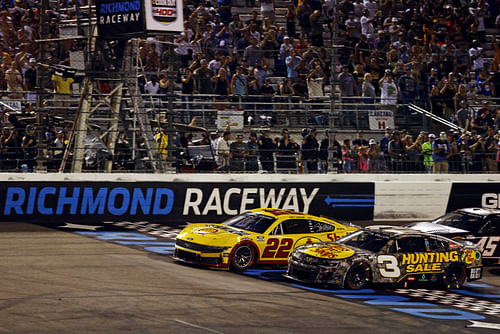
column 272, row 250
column 391, row 268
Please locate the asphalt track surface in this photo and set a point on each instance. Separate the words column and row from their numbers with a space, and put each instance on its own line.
column 120, row 279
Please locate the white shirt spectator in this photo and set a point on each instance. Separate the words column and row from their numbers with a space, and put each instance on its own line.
column 388, row 93
column 214, row 65
column 285, row 49
column 477, row 63
column 222, row 147
column 255, row 35
column 152, row 87
column 372, row 7
column 366, row 26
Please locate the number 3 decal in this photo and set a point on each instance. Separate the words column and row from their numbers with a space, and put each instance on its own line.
column 391, row 266
column 272, row 246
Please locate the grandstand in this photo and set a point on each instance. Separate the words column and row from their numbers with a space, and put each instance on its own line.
column 396, row 73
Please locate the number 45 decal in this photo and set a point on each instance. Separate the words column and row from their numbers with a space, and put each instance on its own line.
column 488, row 245
column 272, row 250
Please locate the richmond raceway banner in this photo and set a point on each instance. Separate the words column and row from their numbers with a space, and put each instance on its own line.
column 467, row 195
column 117, row 18
column 174, row 203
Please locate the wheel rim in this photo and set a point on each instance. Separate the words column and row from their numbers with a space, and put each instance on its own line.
column 359, row 276
column 455, row 277
column 243, row 257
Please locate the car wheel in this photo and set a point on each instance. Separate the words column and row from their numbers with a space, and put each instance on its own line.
column 243, row 258
column 454, row 276
column 358, row 276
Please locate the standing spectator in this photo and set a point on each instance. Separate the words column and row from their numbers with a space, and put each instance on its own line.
column 188, row 89
column 269, row 47
column 214, row 140
column 368, row 90
column 58, row 147
column 460, row 96
column 454, row 160
column 252, row 52
column 238, row 150
column 476, row 53
column 309, row 151
column 9, row 148
column 252, row 165
column 348, row 89
column 30, row 79
column 482, row 122
column 323, row 153
column 376, row 159
column 29, row 145
column 291, row 17
column 315, row 80
column 267, row 9
column 484, row 83
column 490, row 146
column 397, row 152
column 286, row 153
column 388, row 90
column 161, row 139
column 291, row 62
column 152, row 86
column 427, row 153
column 441, row 150
column 316, row 28
column 384, row 142
column 221, row 83
column 266, row 151
column 413, row 149
column 14, row 81
column 360, row 141
column 224, row 152
column 62, row 88
column 408, row 89
column 349, row 156
column 464, row 116
column 367, row 23
column 203, row 77
column 239, row 83
column 304, row 12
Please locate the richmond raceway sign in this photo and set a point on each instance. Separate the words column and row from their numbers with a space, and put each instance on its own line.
column 178, row 202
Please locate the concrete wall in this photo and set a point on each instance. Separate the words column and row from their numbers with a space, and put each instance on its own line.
column 396, row 197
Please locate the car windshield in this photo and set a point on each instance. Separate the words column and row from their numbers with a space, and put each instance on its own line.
column 251, row 222
column 460, row 220
column 370, row 241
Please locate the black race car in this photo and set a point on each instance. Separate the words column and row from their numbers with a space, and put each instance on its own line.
column 478, row 225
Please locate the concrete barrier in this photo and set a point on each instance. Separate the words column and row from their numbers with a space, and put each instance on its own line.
column 178, row 198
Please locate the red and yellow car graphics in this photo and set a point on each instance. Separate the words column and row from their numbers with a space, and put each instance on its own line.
column 260, row 236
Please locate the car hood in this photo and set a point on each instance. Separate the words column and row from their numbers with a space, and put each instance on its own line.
column 434, row 228
column 328, row 250
column 213, row 234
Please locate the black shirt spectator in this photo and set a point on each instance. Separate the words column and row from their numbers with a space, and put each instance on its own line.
column 286, row 153
column 266, row 151
column 310, row 152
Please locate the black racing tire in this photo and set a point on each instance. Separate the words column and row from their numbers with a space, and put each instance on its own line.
column 454, row 276
column 358, row 276
column 243, row 258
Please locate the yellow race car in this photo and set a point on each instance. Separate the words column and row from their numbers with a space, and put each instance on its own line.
column 260, row 236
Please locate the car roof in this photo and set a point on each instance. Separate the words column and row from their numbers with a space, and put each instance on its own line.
column 278, row 212
column 395, row 231
column 480, row 211
column 286, row 213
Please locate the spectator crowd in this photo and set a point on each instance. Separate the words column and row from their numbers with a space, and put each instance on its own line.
column 436, row 54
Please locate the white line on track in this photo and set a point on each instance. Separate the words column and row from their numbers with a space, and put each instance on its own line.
column 196, row 326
